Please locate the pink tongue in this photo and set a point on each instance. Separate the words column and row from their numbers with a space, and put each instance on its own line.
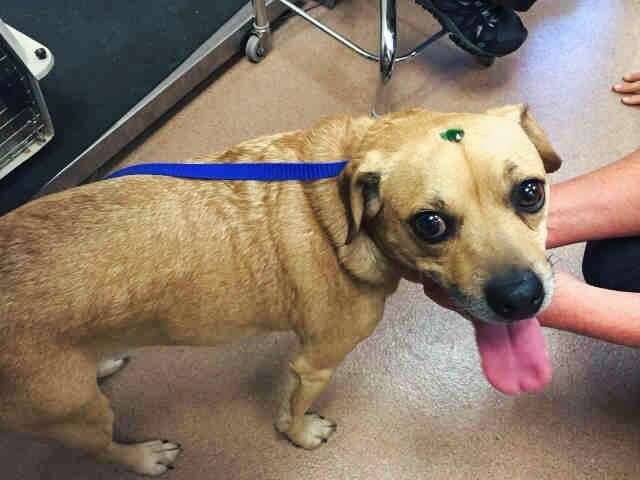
column 514, row 357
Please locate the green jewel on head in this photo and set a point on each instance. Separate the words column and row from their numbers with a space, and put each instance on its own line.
column 453, row 135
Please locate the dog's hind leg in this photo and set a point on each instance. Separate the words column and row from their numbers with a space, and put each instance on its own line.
column 69, row 408
column 90, row 428
column 109, row 366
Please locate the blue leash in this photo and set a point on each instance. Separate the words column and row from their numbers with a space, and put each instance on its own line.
column 262, row 172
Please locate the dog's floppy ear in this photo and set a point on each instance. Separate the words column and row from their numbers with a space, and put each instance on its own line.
column 520, row 113
column 361, row 193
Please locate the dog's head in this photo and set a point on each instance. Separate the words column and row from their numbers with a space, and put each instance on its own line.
column 460, row 199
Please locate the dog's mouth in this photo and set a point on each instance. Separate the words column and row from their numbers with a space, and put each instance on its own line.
column 514, row 356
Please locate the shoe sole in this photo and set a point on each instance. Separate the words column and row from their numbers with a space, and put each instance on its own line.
column 454, row 32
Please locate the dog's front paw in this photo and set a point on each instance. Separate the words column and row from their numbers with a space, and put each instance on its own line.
column 312, row 431
column 151, row 458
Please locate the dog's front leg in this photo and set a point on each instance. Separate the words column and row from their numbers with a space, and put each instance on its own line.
column 304, row 384
column 311, row 370
column 307, row 377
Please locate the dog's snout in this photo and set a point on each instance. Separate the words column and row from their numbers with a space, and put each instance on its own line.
column 516, row 295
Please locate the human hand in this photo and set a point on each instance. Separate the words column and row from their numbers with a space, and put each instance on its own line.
column 630, row 88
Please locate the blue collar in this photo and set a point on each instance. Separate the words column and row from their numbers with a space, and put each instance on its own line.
column 262, row 172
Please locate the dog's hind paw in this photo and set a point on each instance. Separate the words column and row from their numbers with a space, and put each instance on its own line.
column 111, row 365
column 314, row 431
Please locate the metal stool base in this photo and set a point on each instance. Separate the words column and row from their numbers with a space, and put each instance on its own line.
column 259, row 42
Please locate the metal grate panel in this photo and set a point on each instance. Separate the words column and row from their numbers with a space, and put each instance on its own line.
column 24, row 126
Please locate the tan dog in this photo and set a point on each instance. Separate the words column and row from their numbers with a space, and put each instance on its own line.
column 104, row 268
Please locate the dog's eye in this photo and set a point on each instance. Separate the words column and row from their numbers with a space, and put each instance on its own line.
column 529, row 196
column 429, row 226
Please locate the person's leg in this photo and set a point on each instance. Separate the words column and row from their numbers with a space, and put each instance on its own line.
column 518, row 5
column 613, row 264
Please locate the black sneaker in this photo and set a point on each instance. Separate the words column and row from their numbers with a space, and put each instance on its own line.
column 517, row 5
column 479, row 26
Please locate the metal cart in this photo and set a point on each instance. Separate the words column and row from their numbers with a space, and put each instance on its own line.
column 259, row 43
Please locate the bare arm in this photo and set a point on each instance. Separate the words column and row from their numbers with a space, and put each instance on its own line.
column 595, row 312
column 604, row 203
column 601, row 204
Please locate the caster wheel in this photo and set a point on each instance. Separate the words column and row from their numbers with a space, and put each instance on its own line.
column 485, row 61
column 254, row 50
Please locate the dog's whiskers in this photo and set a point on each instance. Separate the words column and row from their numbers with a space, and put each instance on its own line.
column 553, row 259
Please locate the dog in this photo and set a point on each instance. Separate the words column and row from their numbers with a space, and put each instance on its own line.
column 104, row 268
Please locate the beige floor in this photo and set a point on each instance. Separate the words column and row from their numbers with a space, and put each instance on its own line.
column 411, row 402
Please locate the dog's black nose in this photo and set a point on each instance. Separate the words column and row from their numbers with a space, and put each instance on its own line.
column 516, row 295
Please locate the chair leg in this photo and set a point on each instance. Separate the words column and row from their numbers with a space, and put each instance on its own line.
column 388, row 38
column 259, row 42
column 388, row 52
